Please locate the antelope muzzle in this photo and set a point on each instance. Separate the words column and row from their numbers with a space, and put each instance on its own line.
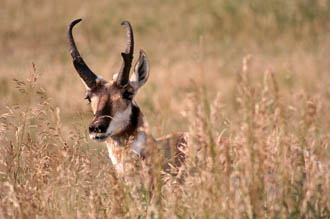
column 98, row 129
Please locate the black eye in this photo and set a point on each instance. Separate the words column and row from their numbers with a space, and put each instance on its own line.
column 88, row 98
column 128, row 95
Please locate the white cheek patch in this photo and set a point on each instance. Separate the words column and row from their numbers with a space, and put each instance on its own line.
column 119, row 121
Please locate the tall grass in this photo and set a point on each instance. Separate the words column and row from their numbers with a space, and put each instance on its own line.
column 271, row 161
column 258, row 128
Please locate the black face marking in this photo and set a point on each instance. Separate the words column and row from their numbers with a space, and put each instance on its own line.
column 134, row 116
column 128, row 95
column 103, row 117
column 105, row 111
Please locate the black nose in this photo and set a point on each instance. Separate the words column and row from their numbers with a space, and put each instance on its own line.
column 101, row 128
column 98, row 128
column 91, row 128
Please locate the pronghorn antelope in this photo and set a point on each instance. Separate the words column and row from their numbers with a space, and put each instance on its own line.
column 117, row 118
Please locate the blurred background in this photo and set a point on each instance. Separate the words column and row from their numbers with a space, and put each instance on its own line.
column 248, row 80
column 190, row 43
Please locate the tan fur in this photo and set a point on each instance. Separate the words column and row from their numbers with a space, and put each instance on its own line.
column 117, row 118
column 168, row 148
column 107, row 91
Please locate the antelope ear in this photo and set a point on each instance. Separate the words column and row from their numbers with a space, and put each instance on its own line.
column 141, row 71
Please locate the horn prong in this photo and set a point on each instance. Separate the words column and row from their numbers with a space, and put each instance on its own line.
column 123, row 75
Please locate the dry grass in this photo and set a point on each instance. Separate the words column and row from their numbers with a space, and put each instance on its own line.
column 258, row 124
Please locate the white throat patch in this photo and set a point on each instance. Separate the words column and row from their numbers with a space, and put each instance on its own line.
column 139, row 143
column 118, row 166
column 119, row 121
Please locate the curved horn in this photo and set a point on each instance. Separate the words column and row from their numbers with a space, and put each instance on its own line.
column 83, row 70
column 123, row 75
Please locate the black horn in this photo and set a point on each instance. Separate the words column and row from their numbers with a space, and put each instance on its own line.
column 83, row 70
column 123, row 75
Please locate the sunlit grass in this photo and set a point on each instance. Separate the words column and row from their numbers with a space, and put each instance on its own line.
column 258, row 128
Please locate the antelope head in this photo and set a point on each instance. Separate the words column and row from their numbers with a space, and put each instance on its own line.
column 112, row 101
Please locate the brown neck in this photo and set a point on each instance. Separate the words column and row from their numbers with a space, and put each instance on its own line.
column 133, row 136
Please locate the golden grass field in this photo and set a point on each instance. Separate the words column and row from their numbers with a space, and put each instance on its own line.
column 248, row 80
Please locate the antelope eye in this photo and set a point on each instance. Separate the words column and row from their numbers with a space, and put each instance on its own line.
column 87, row 97
column 128, row 95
